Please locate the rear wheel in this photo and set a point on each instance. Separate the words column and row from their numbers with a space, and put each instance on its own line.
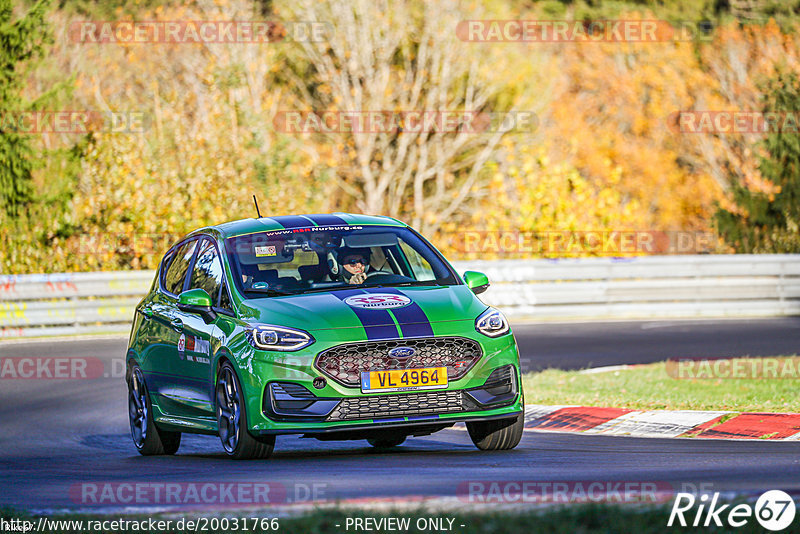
column 237, row 441
column 497, row 435
column 386, row 442
column 147, row 437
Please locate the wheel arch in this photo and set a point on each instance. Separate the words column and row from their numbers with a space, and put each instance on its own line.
column 223, row 355
column 131, row 358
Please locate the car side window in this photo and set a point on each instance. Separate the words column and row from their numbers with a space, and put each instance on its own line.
column 165, row 263
column 421, row 268
column 207, row 273
column 176, row 272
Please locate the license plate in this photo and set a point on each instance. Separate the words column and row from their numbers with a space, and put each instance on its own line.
column 404, row 379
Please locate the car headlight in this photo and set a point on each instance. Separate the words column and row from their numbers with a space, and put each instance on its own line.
column 492, row 323
column 268, row 337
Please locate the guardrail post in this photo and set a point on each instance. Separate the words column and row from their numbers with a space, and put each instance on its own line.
column 74, row 300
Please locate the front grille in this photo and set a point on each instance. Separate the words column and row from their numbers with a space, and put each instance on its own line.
column 386, row 406
column 345, row 363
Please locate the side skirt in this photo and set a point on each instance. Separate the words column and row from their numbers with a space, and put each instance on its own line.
column 193, row 425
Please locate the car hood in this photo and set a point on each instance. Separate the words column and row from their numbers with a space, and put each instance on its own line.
column 375, row 309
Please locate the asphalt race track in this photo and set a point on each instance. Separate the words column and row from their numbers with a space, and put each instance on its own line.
column 582, row 345
column 58, row 436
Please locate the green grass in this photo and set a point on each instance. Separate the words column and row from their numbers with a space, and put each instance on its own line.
column 650, row 387
column 551, row 520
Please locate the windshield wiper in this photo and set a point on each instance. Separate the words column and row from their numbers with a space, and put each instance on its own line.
column 270, row 292
column 320, row 289
column 408, row 284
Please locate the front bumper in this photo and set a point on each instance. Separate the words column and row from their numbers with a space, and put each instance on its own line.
column 287, row 401
column 365, row 429
column 301, row 408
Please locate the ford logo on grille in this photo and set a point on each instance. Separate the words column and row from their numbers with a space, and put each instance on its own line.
column 402, row 353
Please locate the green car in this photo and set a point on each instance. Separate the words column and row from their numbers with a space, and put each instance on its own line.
column 334, row 326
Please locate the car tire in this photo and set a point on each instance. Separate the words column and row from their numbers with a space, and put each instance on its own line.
column 231, row 411
column 499, row 435
column 386, row 442
column 147, row 437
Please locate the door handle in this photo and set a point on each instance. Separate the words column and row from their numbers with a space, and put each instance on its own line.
column 177, row 324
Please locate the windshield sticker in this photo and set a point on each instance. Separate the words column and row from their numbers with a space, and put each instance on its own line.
column 265, row 251
column 271, row 233
column 325, row 229
column 379, row 301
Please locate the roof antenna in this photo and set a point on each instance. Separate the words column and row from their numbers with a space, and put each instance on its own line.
column 256, row 203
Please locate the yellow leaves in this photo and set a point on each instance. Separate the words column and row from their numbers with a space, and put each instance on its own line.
column 601, row 158
column 611, row 114
column 543, row 160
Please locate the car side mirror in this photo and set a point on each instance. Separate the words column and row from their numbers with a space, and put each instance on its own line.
column 477, row 282
column 197, row 301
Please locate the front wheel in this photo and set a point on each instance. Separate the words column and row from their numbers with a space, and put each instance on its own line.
column 497, row 435
column 147, row 437
column 237, row 441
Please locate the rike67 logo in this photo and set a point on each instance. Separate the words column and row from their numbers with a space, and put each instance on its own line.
column 774, row 510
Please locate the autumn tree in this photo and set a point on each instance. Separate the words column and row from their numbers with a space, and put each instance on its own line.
column 769, row 222
column 21, row 40
column 400, row 56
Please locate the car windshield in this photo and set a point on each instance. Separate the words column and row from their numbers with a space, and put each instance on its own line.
column 304, row 260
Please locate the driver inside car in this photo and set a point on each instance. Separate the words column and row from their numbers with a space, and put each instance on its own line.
column 354, row 263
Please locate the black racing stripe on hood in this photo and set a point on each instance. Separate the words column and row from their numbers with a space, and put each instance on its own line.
column 412, row 319
column 378, row 324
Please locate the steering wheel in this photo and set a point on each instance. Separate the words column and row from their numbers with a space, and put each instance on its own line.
column 376, row 273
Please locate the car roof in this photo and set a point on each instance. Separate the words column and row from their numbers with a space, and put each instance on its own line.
column 282, row 222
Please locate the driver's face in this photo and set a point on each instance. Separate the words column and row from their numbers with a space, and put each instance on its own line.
column 354, row 264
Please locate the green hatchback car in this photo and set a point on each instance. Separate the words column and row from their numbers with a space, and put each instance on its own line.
column 333, row 326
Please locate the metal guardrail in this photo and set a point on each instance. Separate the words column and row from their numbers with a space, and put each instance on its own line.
column 69, row 303
column 587, row 288
column 644, row 287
